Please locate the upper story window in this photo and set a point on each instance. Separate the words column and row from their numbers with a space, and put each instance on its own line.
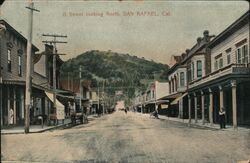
column 19, row 65
column 218, row 62
column 228, row 52
column 242, row 54
column 192, row 71
column 216, row 65
column 199, row 69
column 9, row 60
column 153, row 94
column 182, row 79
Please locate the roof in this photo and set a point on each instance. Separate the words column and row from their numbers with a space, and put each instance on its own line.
column 240, row 22
column 17, row 34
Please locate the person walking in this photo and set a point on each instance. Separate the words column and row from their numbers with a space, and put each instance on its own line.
column 222, row 115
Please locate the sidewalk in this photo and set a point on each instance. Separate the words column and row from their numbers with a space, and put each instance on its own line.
column 38, row 128
column 199, row 123
column 34, row 128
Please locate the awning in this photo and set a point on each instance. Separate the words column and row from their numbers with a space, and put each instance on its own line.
column 162, row 101
column 59, row 106
column 164, row 106
column 177, row 99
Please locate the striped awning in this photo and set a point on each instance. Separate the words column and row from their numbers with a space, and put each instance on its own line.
column 177, row 99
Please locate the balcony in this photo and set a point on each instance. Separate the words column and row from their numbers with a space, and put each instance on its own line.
column 232, row 69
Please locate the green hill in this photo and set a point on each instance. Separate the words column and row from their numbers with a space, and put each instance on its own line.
column 117, row 71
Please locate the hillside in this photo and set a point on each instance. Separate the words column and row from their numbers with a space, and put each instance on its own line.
column 118, row 71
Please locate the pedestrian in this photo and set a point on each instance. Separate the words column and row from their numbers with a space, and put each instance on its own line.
column 32, row 114
column 222, row 115
column 125, row 110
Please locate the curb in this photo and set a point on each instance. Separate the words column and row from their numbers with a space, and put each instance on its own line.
column 64, row 126
column 40, row 131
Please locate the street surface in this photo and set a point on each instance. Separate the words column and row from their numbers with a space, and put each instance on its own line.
column 131, row 137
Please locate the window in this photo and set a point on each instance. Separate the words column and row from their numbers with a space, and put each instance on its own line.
column 245, row 54
column 216, row 65
column 9, row 60
column 221, row 63
column 199, row 69
column 19, row 65
column 228, row 58
column 192, row 71
column 228, row 52
column 242, row 54
column 182, row 79
column 239, row 59
column 153, row 94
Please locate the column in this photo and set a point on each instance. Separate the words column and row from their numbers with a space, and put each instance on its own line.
column 221, row 97
column 211, row 106
column 234, row 104
column 14, row 104
column 189, row 109
column 173, row 85
column 180, row 108
column 195, row 107
column 1, row 102
column 203, row 107
column 8, row 105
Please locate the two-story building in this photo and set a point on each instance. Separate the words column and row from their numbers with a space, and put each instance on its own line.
column 177, row 77
column 153, row 98
column 226, row 82
column 13, row 77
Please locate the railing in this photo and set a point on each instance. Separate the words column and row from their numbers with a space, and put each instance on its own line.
column 229, row 69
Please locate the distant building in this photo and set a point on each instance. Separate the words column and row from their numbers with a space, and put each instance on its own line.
column 152, row 98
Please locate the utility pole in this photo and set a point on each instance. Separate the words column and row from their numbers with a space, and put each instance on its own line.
column 29, row 67
column 98, row 97
column 54, row 42
column 103, row 97
column 80, row 87
column 68, row 81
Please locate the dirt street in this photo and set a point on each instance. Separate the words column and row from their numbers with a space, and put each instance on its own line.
column 131, row 137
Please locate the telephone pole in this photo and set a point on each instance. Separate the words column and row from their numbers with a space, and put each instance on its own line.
column 54, row 42
column 103, row 94
column 98, row 97
column 80, row 87
column 29, row 67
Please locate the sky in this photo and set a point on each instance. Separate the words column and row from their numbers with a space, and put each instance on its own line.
column 154, row 30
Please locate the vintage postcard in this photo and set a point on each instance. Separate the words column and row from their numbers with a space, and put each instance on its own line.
column 116, row 81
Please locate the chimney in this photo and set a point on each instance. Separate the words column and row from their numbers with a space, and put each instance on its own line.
column 199, row 40
column 183, row 55
column 206, row 35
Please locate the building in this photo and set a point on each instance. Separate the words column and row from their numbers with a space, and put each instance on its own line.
column 212, row 75
column 226, row 82
column 73, row 86
column 13, row 77
column 153, row 98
